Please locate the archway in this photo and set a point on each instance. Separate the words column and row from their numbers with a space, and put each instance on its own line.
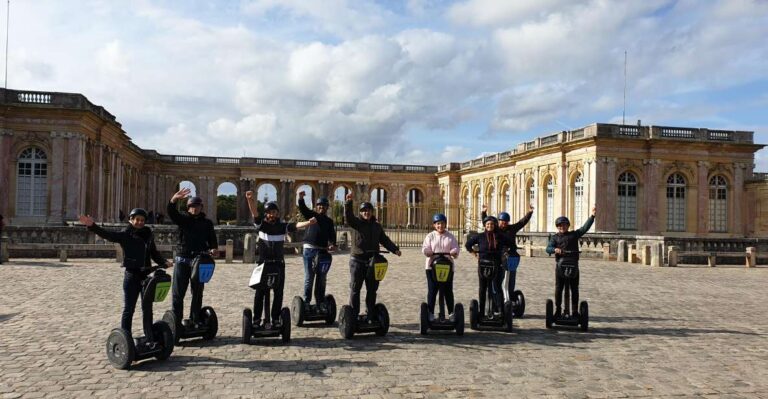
column 226, row 203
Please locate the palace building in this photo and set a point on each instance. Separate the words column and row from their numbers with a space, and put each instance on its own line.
column 62, row 156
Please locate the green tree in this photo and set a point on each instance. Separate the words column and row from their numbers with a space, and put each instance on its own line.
column 226, row 208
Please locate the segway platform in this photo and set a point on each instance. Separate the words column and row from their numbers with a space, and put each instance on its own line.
column 566, row 319
column 282, row 330
column 203, row 267
column 442, row 271
column 483, row 319
column 304, row 312
column 351, row 324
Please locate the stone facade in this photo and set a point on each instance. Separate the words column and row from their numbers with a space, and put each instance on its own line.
column 645, row 180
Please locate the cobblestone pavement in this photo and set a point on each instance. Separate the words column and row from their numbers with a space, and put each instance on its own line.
column 688, row 331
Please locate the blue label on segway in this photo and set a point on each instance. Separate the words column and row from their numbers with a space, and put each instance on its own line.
column 513, row 262
column 205, row 272
column 323, row 266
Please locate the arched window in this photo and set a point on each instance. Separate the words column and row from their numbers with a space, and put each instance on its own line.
column 550, row 205
column 467, row 203
column 479, row 207
column 718, row 204
column 32, row 183
column 676, row 202
column 627, row 207
column 507, row 200
column 379, row 201
column 490, row 200
column 578, row 201
column 532, row 226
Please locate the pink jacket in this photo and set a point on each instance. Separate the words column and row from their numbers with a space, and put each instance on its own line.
column 436, row 242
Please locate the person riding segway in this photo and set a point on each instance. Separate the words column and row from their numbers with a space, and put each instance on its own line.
column 490, row 312
column 565, row 245
column 269, row 275
column 140, row 279
column 195, row 264
column 319, row 241
column 366, row 265
column 511, row 260
column 440, row 247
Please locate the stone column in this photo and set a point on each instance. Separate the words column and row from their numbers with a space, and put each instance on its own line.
column 701, row 220
column 243, row 213
column 651, row 190
column 285, row 197
column 6, row 168
column 76, row 181
column 211, row 199
column 56, row 181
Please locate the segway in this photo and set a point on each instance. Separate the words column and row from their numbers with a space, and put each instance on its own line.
column 267, row 274
column 205, row 324
column 442, row 272
column 567, row 319
column 325, row 311
column 516, row 297
column 123, row 350
column 484, row 319
column 350, row 323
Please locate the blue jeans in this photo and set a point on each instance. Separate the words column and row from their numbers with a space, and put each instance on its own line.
column 311, row 277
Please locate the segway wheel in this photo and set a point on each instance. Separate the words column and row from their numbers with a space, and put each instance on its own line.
column 584, row 315
column 247, row 326
column 330, row 304
column 285, row 325
column 549, row 315
column 297, row 310
column 474, row 309
column 509, row 315
column 120, row 349
column 519, row 299
column 347, row 322
column 170, row 318
column 424, row 319
column 211, row 322
column 383, row 315
column 164, row 337
column 458, row 316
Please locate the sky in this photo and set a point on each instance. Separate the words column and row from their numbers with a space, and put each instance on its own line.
column 393, row 81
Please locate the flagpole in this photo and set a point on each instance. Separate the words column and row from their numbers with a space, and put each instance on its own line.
column 7, row 30
column 624, row 109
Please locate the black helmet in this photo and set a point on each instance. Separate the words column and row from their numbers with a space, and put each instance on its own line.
column 137, row 212
column 562, row 220
column 194, row 201
column 366, row 205
column 322, row 201
column 504, row 217
column 490, row 219
column 271, row 206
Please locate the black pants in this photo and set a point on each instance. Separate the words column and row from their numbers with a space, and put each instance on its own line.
column 433, row 287
column 277, row 299
column 360, row 272
column 182, row 274
column 132, row 284
column 497, row 289
column 573, row 285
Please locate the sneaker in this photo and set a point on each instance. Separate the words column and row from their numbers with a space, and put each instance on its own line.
column 257, row 324
column 267, row 326
column 187, row 323
column 496, row 315
column 275, row 324
column 451, row 318
column 431, row 317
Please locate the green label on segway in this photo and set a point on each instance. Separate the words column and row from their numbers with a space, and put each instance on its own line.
column 380, row 270
column 161, row 291
column 442, row 271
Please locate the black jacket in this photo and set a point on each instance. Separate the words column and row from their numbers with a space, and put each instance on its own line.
column 369, row 234
column 319, row 234
column 271, row 238
column 138, row 246
column 490, row 245
column 569, row 241
column 511, row 230
column 196, row 233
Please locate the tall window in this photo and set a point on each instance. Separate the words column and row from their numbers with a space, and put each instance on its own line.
column 550, row 205
column 491, row 200
column 507, row 200
column 32, row 183
column 578, row 201
column 467, row 211
column 718, row 204
column 415, row 200
column 379, row 201
column 627, row 201
column 676, row 202
column 479, row 207
column 532, row 226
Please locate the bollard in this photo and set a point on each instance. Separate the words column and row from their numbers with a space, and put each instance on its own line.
column 712, row 259
column 62, row 255
column 230, row 251
column 249, row 248
column 672, row 255
column 751, row 257
column 606, row 251
column 118, row 253
column 632, row 254
column 4, row 249
column 657, row 255
column 621, row 251
column 529, row 249
column 645, row 255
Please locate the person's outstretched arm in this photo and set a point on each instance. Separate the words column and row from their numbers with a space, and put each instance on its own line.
column 585, row 228
column 306, row 212
column 522, row 222
column 173, row 212
column 111, row 236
